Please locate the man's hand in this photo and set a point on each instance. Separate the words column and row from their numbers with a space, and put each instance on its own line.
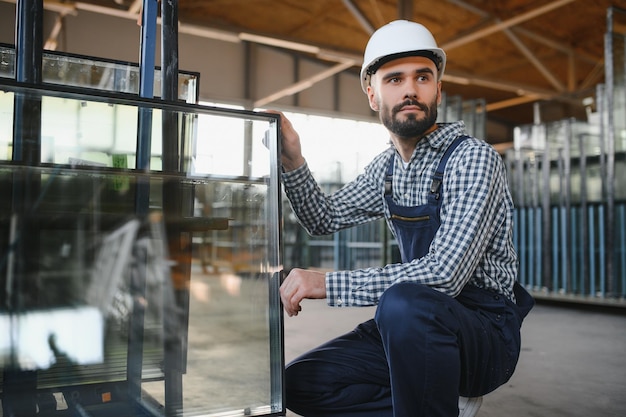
column 291, row 150
column 301, row 284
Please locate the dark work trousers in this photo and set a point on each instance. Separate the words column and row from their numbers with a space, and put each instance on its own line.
column 435, row 348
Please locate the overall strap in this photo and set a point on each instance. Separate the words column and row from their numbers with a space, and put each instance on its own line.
column 389, row 176
column 435, row 186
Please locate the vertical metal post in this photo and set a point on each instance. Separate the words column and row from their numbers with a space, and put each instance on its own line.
column 591, row 278
column 583, row 202
column 28, row 69
column 556, row 212
column 276, row 261
column 142, row 197
column 555, row 248
column 520, row 191
column 578, row 247
column 523, row 246
column 546, row 253
column 602, row 249
column 169, row 83
column 146, row 81
column 567, row 176
column 534, row 223
column 20, row 387
column 601, row 108
column 621, row 216
column 172, row 154
column 585, row 257
column 610, row 163
column 27, row 145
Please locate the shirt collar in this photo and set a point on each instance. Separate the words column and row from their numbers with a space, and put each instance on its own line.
column 445, row 134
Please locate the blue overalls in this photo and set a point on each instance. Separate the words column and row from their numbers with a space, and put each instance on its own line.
column 422, row 349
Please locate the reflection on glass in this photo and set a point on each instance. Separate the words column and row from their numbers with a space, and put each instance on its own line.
column 141, row 293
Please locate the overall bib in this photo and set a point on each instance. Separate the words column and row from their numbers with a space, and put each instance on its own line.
column 416, row 226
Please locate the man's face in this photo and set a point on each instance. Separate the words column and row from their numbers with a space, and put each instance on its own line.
column 406, row 93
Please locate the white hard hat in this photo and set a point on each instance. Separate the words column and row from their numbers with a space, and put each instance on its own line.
column 398, row 39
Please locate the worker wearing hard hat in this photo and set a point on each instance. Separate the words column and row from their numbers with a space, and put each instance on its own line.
column 448, row 315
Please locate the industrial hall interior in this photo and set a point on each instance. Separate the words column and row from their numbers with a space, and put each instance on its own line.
column 145, row 226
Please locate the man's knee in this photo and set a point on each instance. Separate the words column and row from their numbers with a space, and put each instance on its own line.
column 411, row 305
column 405, row 297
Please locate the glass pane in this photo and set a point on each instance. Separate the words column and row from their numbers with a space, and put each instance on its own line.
column 127, row 292
column 98, row 73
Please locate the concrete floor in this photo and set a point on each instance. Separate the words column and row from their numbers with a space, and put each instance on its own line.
column 573, row 360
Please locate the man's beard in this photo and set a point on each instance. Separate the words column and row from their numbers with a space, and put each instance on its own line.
column 412, row 126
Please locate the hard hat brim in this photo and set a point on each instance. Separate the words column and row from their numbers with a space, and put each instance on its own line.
column 436, row 55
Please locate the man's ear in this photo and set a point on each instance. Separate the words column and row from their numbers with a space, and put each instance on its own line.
column 439, row 93
column 371, row 96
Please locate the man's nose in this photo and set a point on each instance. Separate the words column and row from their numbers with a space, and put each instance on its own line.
column 410, row 90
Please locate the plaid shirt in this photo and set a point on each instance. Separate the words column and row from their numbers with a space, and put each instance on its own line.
column 473, row 243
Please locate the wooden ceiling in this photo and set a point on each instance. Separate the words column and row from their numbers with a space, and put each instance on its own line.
column 512, row 53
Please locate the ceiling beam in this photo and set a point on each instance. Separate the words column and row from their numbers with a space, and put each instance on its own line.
column 558, row 46
column 471, row 8
column 524, row 96
column 518, row 89
column 405, row 9
column 516, row 101
column 53, row 6
column 593, row 77
column 504, row 24
column 135, row 8
column 534, row 60
column 359, row 16
column 52, row 41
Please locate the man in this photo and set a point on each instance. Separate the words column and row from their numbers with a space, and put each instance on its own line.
column 447, row 322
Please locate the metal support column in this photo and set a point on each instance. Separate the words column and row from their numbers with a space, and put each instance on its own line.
column 610, row 150
column 173, row 152
column 28, row 69
column 20, row 387
column 142, row 197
